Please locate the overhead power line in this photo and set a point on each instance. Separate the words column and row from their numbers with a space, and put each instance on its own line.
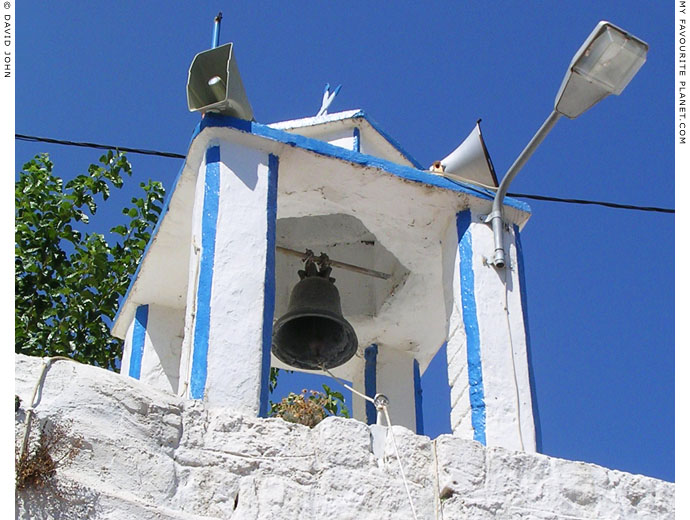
column 35, row 139
column 593, row 202
column 173, row 155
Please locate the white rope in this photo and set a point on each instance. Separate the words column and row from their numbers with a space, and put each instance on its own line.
column 390, row 429
column 397, row 456
column 348, row 386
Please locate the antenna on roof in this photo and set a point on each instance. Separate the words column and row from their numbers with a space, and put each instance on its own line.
column 327, row 99
column 216, row 30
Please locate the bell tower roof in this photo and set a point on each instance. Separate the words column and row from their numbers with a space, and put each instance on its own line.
column 353, row 130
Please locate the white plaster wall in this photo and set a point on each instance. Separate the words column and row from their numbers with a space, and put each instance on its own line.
column 237, row 296
column 395, row 379
column 456, row 346
column 127, row 350
column 342, row 137
column 147, row 454
column 507, row 394
column 359, row 405
column 160, row 364
column 193, row 282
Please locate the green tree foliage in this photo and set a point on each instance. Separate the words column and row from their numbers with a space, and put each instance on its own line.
column 68, row 279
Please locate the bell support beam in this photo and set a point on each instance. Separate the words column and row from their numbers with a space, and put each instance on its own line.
column 491, row 394
column 226, row 355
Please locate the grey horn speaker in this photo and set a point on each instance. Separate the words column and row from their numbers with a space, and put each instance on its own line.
column 214, row 84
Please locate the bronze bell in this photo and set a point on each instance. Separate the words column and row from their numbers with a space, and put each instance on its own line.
column 313, row 333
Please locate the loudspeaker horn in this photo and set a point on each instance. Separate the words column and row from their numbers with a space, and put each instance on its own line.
column 214, row 84
column 469, row 161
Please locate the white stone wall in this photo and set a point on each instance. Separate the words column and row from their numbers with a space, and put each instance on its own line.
column 148, row 454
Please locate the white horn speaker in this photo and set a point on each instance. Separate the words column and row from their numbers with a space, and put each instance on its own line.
column 214, row 84
column 469, row 161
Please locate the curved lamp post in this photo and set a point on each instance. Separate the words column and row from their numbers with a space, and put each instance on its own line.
column 605, row 64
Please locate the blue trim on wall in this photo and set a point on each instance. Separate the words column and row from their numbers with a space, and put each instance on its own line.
column 370, row 354
column 419, row 415
column 269, row 281
column 530, row 367
column 355, row 139
column 469, row 317
column 202, row 325
column 212, row 120
column 141, row 319
column 395, row 144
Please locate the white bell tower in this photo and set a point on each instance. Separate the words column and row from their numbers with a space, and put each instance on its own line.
column 198, row 318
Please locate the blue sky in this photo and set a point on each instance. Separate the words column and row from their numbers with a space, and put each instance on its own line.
column 600, row 281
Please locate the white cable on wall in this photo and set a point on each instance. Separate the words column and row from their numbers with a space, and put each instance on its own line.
column 512, row 360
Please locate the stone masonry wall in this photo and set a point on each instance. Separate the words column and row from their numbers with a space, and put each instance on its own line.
column 150, row 455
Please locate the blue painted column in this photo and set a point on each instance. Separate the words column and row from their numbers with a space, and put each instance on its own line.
column 469, row 317
column 370, row 354
column 419, row 414
column 234, row 293
column 138, row 342
column 488, row 362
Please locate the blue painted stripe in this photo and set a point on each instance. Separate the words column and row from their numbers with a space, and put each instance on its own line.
column 419, row 415
column 355, row 139
column 202, row 324
column 141, row 319
column 469, row 317
column 212, row 120
column 370, row 355
column 269, row 281
column 530, row 367
column 395, row 144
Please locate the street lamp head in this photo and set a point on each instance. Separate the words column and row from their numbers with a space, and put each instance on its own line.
column 605, row 64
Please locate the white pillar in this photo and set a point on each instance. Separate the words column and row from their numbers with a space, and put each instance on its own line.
column 152, row 346
column 491, row 398
column 227, row 352
column 397, row 377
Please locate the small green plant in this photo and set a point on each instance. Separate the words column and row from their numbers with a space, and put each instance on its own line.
column 36, row 468
column 310, row 407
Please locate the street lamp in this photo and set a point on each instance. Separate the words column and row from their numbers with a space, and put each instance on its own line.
column 605, row 64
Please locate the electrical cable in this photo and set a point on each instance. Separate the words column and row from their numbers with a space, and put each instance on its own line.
column 49, row 140
column 64, row 142
column 594, row 202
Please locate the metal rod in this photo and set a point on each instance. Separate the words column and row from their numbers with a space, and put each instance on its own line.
column 216, row 30
column 342, row 265
column 496, row 216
